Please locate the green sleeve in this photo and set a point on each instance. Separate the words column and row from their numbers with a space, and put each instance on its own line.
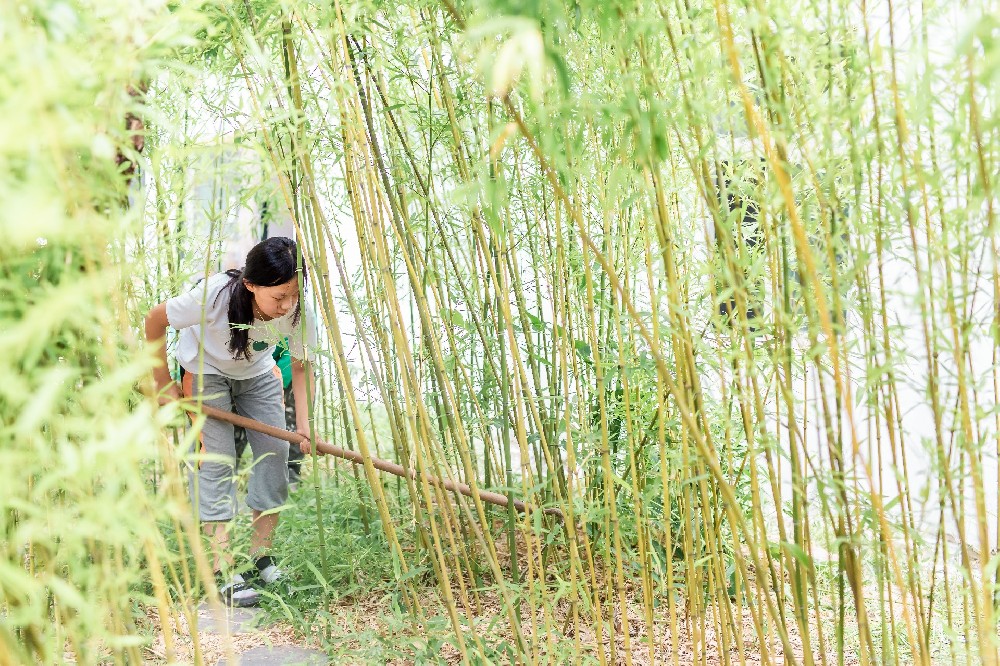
column 284, row 361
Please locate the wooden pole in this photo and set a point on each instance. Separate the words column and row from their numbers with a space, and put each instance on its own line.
column 379, row 464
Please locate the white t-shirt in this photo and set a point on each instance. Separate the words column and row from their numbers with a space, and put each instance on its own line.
column 210, row 297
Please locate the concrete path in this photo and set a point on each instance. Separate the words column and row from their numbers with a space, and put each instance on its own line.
column 236, row 621
column 245, row 622
column 279, row 656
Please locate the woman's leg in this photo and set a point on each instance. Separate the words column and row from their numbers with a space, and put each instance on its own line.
column 213, row 485
column 260, row 398
column 263, row 533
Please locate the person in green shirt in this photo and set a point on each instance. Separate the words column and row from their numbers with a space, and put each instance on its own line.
column 295, row 456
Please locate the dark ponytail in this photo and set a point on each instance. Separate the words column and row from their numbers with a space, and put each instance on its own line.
column 270, row 263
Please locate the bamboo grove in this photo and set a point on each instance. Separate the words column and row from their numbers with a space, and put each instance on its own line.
column 718, row 281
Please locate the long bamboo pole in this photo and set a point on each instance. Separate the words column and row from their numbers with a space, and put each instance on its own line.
column 379, row 464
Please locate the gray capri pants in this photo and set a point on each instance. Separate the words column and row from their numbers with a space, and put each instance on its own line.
column 213, row 483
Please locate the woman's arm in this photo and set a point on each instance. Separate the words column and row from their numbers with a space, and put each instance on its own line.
column 156, row 333
column 302, row 372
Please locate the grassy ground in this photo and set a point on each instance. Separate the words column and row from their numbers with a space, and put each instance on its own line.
column 351, row 603
column 354, row 609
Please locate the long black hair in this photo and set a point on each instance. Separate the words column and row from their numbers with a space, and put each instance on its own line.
column 270, row 263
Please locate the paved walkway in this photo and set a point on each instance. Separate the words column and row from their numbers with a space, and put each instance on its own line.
column 279, row 656
column 245, row 622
